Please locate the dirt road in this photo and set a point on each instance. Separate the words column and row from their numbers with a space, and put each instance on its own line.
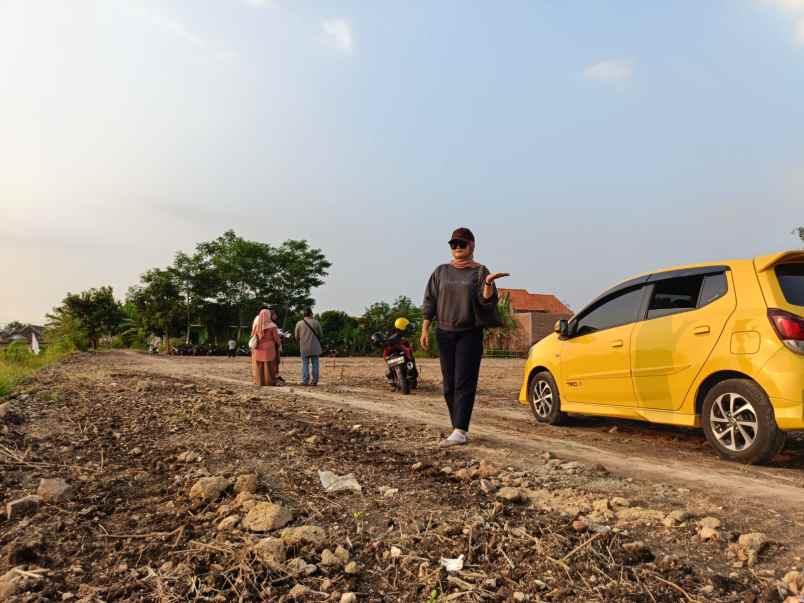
column 507, row 430
column 128, row 477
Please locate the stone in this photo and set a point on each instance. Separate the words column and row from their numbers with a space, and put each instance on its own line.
column 514, row 495
column 639, row 515
column 312, row 439
column 638, row 550
column 299, row 566
column 352, row 568
column 396, row 552
column 387, row 492
column 519, row 596
column 298, row 592
column 342, row 554
column 348, row 598
column 12, row 583
column 209, row 489
column 487, row 470
column 5, row 410
column 755, row 541
column 241, row 499
column 246, row 483
column 303, row 535
column 417, row 466
column 229, row 523
column 619, row 501
column 54, row 489
column 601, row 505
column 794, row 582
column 188, row 457
column 675, row 518
column 709, row 522
column 328, row 559
column 271, row 553
column 27, row 505
column 462, row 475
column 266, row 516
column 580, row 525
column 446, row 470
column 708, row 533
column 487, row 486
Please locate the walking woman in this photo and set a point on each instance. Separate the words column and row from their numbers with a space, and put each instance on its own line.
column 267, row 349
column 461, row 296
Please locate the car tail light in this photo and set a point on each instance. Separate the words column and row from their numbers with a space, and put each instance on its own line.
column 789, row 328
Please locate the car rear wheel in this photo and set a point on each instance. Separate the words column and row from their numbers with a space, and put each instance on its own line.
column 544, row 399
column 739, row 423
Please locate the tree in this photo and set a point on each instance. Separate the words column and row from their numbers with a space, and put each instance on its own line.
column 799, row 231
column 500, row 336
column 340, row 331
column 300, row 270
column 243, row 271
column 158, row 305
column 13, row 327
column 196, row 282
column 87, row 315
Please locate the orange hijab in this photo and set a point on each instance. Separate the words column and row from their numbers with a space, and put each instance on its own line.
column 262, row 323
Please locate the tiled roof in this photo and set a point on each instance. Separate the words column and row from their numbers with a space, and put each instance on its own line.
column 523, row 301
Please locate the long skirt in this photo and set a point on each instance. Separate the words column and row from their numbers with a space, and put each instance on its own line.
column 263, row 373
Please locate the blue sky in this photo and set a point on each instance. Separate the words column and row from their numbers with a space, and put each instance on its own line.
column 581, row 141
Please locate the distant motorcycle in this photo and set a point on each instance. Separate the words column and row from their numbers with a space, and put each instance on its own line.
column 401, row 371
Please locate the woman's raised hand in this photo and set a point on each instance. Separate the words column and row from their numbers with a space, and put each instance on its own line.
column 495, row 275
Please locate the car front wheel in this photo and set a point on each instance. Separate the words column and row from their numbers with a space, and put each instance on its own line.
column 739, row 423
column 544, row 399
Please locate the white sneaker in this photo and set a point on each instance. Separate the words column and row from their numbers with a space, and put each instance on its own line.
column 456, row 438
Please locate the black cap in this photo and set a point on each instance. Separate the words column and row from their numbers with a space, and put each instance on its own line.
column 462, row 234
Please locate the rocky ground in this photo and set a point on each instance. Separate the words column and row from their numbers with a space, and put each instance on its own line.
column 121, row 482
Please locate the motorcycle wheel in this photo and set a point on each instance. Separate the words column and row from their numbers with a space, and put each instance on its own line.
column 404, row 382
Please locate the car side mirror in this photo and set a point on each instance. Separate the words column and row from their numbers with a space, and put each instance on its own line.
column 561, row 327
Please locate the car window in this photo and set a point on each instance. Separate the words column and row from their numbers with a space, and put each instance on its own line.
column 791, row 280
column 618, row 310
column 674, row 295
column 714, row 287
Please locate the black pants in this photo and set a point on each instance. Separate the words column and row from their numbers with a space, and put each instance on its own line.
column 460, row 354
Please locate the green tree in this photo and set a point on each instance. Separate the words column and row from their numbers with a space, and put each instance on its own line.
column 87, row 316
column 243, row 271
column 13, row 327
column 300, row 269
column 799, row 231
column 195, row 281
column 157, row 304
column 499, row 337
column 340, row 331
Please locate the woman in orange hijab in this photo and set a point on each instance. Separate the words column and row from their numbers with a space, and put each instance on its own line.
column 267, row 349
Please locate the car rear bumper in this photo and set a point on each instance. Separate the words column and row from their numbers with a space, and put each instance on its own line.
column 782, row 377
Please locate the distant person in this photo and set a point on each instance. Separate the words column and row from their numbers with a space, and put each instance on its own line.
column 462, row 297
column 275, row 318
column 265, row 352
column 232, row 348
column 308, row 333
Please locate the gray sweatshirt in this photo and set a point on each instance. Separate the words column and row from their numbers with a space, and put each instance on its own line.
column 309, row 344
column 449, row 296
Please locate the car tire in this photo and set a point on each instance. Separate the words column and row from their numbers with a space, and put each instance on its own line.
column 739, row 423
column 544, row 399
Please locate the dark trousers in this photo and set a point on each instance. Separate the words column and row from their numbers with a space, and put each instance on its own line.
column 460, row 354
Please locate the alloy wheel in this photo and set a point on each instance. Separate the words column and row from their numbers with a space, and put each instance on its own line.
column 543, row 399
column 734, row 422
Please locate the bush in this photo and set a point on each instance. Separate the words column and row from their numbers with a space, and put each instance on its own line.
column 17, row 362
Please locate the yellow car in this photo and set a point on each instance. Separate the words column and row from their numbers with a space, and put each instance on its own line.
column 718, row 346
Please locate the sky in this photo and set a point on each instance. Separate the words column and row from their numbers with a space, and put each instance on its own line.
column 582, row 142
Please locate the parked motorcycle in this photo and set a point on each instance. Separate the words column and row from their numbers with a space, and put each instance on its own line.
column 401, row 373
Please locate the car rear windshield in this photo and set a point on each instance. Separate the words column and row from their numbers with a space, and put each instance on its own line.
column 791, row 280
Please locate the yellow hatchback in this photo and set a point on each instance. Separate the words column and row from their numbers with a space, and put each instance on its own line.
column 718, row 346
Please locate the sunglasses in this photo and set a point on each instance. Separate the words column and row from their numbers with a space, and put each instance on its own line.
column 458, row 244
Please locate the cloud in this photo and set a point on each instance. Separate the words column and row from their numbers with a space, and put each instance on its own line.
column 338, row 32
column 610, row 70
column 793, row 9
column 258, row 3
column 177, row 30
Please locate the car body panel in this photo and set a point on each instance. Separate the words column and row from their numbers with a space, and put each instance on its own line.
column 668, row 352
column 747, row 346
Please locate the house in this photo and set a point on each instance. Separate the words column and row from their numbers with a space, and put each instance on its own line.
column 535, row 314
column 21, row 333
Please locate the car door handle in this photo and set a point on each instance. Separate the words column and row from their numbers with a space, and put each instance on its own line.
column 701, row 330
column 617, row 343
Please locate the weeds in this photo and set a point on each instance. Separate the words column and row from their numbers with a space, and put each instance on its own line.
column 17, row 363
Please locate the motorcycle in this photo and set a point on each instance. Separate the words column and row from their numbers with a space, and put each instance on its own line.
column 401, row 373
